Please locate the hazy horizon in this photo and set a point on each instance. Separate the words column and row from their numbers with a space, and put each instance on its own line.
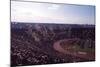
column 52, row 13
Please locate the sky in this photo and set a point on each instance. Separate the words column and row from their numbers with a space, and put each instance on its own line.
column 52, row 13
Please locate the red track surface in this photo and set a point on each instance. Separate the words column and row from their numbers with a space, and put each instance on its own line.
column 58, row 47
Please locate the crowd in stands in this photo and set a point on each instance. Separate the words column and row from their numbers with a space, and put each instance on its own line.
column 34, row 46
